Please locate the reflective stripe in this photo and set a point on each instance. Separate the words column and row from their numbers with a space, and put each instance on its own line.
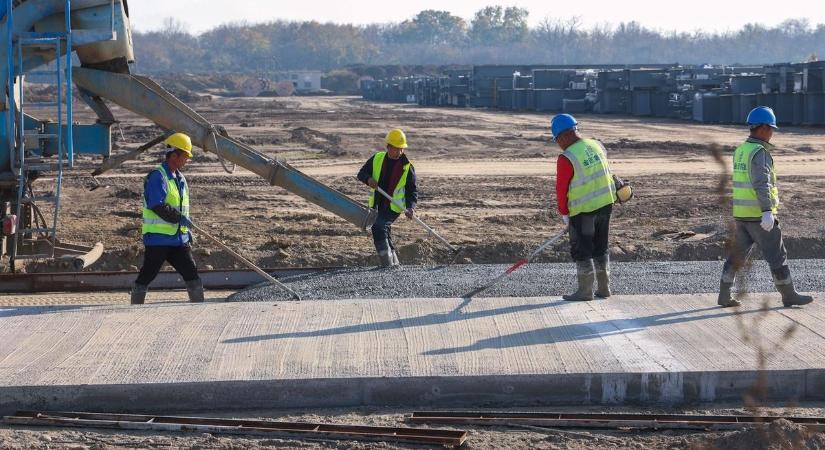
column 584, row 180
column 591, row 196
column 158, row 222
column 739, row 202
column 743, row 184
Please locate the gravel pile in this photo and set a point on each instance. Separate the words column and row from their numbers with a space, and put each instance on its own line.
column 529, row 281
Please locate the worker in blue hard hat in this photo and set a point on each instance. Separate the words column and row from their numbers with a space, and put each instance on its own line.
column 394, row 173
column 755, row 212
column 585, row 190
column 166, row 222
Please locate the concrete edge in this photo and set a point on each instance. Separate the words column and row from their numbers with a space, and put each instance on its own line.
column 657, row 388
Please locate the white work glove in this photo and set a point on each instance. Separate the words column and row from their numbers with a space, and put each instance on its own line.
column 768, row 219
column 566, row 220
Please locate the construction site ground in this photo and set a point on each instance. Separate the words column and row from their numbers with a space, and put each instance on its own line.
column 372, row 337
column 485, row 179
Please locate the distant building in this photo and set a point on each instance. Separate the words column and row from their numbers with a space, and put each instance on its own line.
column 302, row 80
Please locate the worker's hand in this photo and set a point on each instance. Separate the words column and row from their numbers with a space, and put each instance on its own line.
column 566, row 220
column 768, row 220
column 410, row 213
column 372, row 183
column 185, row 222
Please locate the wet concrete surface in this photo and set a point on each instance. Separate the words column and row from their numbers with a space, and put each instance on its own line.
column 633, row 278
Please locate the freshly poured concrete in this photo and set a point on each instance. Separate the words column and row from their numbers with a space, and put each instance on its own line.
column 448, row 352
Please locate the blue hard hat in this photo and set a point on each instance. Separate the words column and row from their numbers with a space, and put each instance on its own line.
column 561, row 123
column 762, row 115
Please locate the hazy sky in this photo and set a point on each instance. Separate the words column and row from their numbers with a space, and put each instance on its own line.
column 709, row 15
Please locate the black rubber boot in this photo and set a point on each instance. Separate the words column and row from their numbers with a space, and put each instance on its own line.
column 385, row 258
column 585, row 276
column 138, row 294
column 784, row 284
column 725, row 300
column 602, row 264
column 195, row 290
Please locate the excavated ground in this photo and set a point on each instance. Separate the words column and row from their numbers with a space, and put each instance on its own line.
column 485, row 177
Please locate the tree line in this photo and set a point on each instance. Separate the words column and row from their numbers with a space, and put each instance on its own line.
column 495, row 35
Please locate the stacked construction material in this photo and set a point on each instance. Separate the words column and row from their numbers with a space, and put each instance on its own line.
column 709, row 94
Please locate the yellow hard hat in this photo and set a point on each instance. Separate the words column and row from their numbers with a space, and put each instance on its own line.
column 181, row 142
column 396, row 138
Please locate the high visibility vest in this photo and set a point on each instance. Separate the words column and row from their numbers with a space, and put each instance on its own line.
column 745, row 201
column 399, row 193
column 592, row 185
column 152, row 223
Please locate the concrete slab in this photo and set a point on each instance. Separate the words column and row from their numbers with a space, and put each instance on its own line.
column 167, row 356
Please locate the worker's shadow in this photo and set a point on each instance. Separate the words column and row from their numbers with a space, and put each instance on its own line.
column 421, row 321
column 556, row 334
column 593, row 330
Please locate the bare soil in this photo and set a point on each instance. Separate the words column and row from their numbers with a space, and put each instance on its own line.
column 485, row 179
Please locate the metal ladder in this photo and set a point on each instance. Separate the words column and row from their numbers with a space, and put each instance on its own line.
column 37, row 237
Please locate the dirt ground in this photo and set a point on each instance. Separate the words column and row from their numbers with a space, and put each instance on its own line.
column 485, row 180
column 779, row 435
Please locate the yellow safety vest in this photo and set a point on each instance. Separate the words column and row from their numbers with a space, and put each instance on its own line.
column 399, row 193
column 152, row 223
column 592, row 185
column 745, row 200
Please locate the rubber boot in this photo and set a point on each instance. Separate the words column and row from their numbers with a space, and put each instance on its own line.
column 586, row 276
column 602, row 264
column 385, row 258
column 784, row 284
column 195, row 290
column 138, row 294
column 725, row 300
column 395, row 261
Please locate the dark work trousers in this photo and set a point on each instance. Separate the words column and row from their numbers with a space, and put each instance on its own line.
column 179, row 257
column 381, row 230
column 589, row 234
column 748, row 233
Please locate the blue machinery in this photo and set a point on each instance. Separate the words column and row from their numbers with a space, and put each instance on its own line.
column 40, row 39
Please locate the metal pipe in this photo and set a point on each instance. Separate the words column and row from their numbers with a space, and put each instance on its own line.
column 148, row 99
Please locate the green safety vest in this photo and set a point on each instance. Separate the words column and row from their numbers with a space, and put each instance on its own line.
column 745, row 201
column 399, row 194
column 152, row 223
column 592, row 185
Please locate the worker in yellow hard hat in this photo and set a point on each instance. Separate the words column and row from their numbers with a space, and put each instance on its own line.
column 393, row 172
column 166, row 222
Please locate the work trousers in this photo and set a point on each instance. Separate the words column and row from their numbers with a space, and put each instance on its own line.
column 589, row 234
column 382, row 230
column 745, row 236
column 179, row 257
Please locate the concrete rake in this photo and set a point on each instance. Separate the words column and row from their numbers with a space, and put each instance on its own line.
column 516, row 265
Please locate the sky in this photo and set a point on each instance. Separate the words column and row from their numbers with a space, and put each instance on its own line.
column 691, row 15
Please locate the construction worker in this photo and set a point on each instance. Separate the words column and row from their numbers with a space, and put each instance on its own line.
column 585, row 190
column 755, row 208
column 166, row 223
column 393, row 172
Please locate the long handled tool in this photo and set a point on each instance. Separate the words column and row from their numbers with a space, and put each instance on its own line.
column 517, row 264
column 245, row 261
column 453, row 249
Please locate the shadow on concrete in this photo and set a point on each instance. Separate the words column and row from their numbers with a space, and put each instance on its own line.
column 591, row 330
column 421, row 321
